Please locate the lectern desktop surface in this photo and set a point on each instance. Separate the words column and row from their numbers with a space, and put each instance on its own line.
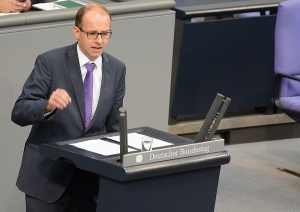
column 110, row 166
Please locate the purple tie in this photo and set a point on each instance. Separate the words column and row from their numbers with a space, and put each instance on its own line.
column 88, row 92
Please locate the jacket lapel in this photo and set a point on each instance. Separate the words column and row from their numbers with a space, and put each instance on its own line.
column 106, row 78
column 73, row 67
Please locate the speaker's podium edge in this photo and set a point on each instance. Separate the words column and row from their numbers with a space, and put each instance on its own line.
column 183, row 184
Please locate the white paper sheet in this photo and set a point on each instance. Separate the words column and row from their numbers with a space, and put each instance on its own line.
column 107, row 148
column 46, row 6
column 135, row 140
column 100, row 146
column 52, row 6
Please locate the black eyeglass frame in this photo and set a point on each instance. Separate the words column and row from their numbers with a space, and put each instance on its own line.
column 98, row 33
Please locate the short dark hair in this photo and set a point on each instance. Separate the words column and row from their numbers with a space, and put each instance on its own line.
column 81, row 12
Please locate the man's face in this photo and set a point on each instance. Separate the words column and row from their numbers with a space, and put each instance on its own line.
column 94, row 21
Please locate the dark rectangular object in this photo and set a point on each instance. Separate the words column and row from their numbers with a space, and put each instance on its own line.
column 173, row 185
column 234, row 57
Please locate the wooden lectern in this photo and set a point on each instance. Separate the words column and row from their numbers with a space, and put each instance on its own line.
column 187, row 183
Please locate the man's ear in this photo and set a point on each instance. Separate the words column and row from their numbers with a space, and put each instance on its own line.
column 76, row 32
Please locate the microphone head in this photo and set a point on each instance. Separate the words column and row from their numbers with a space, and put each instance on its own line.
column 122, row 110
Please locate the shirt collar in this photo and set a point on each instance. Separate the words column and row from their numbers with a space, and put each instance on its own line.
column 83, row 59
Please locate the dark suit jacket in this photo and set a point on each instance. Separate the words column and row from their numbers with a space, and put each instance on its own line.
column 59, row 68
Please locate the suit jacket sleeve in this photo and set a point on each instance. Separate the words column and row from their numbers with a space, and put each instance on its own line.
column 30, row 106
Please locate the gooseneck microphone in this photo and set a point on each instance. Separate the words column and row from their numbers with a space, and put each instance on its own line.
column 123, row 133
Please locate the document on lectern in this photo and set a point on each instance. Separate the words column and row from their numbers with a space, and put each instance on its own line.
column 101, row 147
column 109, row 146
column 135, row 140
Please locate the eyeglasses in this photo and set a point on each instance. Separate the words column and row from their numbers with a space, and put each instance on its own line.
column 94, row 35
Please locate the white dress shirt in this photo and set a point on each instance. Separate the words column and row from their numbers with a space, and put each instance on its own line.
column 97, row 76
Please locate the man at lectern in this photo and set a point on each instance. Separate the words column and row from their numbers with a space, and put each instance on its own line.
column 72, row 92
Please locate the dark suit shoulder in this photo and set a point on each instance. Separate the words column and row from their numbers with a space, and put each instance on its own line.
column 60, row 52
column 112, row 60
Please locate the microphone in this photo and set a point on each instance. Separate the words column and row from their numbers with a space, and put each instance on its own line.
column 213, row 118
column 123, row 133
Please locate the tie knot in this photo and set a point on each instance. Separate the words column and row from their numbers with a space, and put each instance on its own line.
column 90, row 66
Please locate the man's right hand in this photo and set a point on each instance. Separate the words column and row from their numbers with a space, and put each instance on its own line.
column 59, row 99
